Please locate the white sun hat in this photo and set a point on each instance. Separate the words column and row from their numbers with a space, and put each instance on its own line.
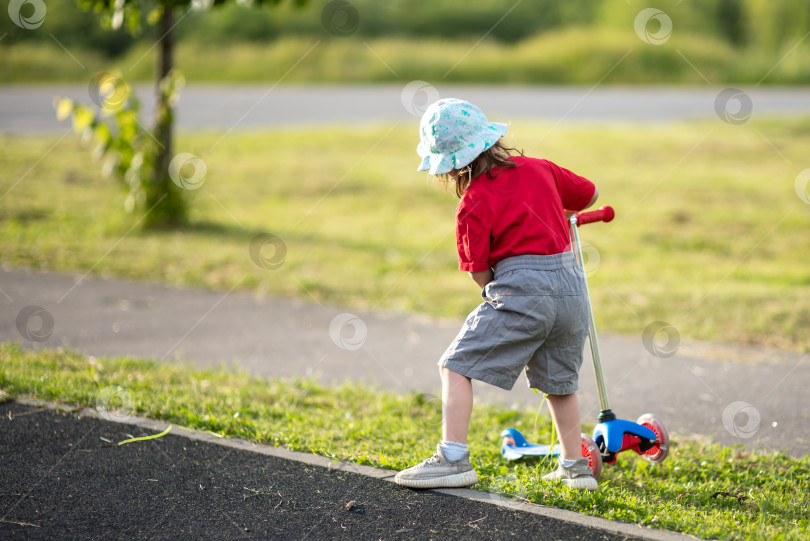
column 453, row 133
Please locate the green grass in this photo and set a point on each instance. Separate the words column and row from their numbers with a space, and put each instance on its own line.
column 710, row 235
column 367, row 426
column 570, row 56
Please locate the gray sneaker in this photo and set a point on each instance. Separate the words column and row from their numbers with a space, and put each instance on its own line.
column 438, row 472
column 579, row 475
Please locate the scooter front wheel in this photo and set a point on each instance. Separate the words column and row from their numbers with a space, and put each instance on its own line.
column 591, row 451
column 658, row 452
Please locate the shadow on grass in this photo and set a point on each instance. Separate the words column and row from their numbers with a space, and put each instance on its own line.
column 241, row 235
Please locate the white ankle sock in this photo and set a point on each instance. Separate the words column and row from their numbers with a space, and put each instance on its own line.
column 452, row 450
column 567, row 462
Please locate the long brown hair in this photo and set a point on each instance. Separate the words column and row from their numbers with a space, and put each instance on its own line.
column 495, row 156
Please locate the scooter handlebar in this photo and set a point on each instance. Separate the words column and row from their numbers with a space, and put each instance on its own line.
column 602, row 214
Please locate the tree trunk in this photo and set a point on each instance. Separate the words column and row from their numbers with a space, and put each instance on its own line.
column 165, row 62
column 164, row 198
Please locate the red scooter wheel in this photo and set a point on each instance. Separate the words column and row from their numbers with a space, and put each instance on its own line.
column 591, row 451
column 658, row 452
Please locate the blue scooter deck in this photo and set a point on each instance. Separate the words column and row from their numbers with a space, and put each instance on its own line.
column 522, row 448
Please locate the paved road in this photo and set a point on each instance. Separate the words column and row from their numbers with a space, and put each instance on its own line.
column 29, row 109
column 690, row 391
column 72, row 484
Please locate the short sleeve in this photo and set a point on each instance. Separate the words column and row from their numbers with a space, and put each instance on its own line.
column 575, row 191
column 473, row 233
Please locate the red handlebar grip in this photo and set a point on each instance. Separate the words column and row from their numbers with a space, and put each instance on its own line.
column 603, row 214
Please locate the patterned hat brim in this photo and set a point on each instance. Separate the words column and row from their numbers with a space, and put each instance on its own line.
column 441, row 163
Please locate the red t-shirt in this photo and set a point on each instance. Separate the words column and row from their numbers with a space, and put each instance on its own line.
column 521, row 211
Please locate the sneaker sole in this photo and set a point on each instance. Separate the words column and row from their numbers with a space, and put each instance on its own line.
column 581, row 483
column 456, row 480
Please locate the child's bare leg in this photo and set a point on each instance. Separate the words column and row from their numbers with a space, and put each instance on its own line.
column 565, row 412
column 457, row 401
column 571, row 471
column 450, row 466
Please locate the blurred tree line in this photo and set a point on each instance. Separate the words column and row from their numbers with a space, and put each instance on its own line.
column 763, row 24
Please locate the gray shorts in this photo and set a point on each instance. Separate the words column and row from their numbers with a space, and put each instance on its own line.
column 535, row 316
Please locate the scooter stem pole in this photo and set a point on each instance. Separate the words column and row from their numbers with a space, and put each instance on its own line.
column 592, row 340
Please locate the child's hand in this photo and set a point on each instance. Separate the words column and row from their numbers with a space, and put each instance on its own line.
column 482, row 278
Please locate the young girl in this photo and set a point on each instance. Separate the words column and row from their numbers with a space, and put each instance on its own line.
column 512, row 237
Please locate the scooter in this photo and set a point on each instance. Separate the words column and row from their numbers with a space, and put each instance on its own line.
column 647, row 436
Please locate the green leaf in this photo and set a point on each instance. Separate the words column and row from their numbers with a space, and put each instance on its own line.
column 102, row 133
column 63, row 108
column 154, row 16
column 82, row 118
column 133, row 18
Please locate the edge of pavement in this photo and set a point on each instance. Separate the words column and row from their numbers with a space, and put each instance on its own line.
column 624, row 528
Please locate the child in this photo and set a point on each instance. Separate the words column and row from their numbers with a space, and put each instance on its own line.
column 512, row 237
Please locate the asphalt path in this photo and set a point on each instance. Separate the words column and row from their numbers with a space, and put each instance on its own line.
column 73, row 481
column 757, row 398
column 30, row 109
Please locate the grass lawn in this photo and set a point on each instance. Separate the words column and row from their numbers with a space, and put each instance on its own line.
column 570, row 56
column 705, row 490
column 710, row 235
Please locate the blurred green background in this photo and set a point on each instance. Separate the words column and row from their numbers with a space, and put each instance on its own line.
column 538, row 41
column 711, row 235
